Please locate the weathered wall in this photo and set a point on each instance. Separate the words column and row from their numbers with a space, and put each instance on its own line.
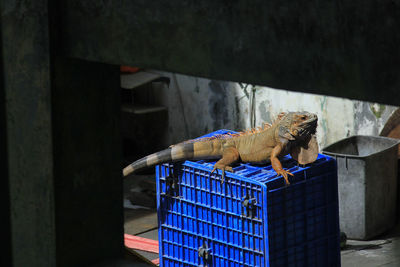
column 338, row 117
column 198, row 106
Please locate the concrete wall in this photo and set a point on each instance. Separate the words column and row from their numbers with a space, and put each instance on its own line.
column 198, row 106
column 340, row 48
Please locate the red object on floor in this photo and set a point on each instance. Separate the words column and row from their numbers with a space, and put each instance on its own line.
column 141, row 243
column 128, row 69
column 156, row 261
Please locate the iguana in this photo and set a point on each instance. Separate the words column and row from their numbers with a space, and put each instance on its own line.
column 292, row 133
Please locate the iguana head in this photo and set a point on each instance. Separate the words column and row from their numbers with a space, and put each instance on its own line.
column 298, row 129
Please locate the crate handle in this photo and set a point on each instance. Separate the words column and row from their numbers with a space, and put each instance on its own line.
column 173, row 188
column 204, row 253
column 249, row 204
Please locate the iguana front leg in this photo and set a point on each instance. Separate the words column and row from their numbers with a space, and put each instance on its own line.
column 229, row 156
column 276, row 164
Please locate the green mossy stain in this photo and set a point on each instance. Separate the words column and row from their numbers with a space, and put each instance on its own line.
column 377, row 110
column 323, row 102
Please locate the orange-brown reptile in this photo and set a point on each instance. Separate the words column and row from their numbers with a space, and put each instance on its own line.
column 292, row 133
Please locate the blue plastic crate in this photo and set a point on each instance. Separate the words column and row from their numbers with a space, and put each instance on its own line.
column 252, row 219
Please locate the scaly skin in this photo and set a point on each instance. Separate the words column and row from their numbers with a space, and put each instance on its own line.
column 293, row 131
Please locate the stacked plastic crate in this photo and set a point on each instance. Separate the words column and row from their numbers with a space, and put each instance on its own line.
column 252, row 219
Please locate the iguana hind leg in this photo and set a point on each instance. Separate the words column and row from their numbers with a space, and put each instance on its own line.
column 229, row 156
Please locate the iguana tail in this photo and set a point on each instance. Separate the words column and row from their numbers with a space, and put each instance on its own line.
column 179, row 152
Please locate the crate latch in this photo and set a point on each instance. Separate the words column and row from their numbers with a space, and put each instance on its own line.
column 204, row 253
column 172, row 189
column 250, row 205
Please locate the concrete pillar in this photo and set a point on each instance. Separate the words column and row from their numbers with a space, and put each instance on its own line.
column 60, row 180
column 26, row 81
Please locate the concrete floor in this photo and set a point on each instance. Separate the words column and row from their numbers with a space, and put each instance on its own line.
column 383, row 251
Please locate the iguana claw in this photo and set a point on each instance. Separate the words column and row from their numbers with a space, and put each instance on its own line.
column 223, row 169
column 284, row 174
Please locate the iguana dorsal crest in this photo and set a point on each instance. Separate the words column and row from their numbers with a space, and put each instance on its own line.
column 280, row 116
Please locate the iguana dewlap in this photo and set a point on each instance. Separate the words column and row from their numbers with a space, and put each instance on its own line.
column 292, row 133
